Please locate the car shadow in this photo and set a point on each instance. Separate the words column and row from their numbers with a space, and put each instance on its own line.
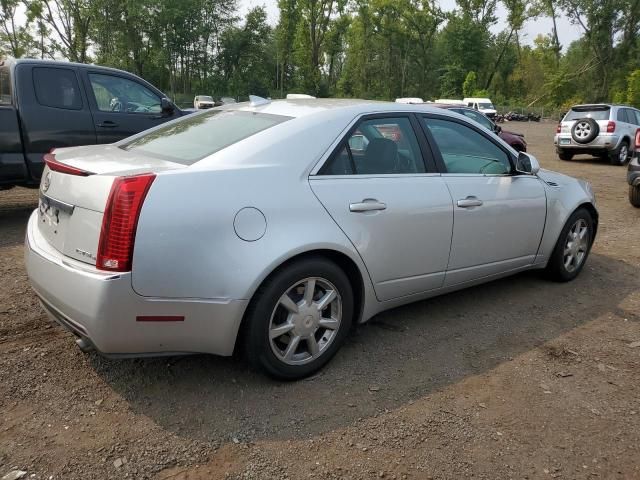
column 400, row 355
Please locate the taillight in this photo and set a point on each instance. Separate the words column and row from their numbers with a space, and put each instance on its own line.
column 559, row 128
column 611, row 127
column 56, row 166
column 638, row 139
column 118, row 233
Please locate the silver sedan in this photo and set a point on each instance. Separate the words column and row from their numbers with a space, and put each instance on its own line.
column 277, row 225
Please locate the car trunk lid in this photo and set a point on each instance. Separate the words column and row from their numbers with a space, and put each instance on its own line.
column 74, row 191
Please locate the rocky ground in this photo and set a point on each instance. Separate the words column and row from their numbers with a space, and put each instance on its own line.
column 520, row 378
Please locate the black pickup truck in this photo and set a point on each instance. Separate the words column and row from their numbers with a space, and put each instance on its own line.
column 49, row 104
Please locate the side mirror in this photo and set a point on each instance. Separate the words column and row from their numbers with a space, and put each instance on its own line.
column 167, row 106
column 527, row 163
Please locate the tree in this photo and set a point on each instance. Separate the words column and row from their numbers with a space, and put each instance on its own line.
column 15, row 38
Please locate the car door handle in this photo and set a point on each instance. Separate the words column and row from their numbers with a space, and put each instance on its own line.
column 107, row 124
column 367, row 205
column 469, row 202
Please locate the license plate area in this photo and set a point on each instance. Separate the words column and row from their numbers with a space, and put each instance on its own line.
column 565, row 141
column 53, row 220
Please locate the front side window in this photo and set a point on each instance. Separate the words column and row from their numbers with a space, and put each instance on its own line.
column 118, row 94
column 466, row 151
column 199, row 135
column 57, row 88
column 380, row 146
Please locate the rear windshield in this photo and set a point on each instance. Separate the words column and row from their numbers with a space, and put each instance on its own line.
column 597, row 113
column 199, row 135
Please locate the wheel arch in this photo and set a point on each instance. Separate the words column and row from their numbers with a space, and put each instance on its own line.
column 347, row 264
column 588, row 206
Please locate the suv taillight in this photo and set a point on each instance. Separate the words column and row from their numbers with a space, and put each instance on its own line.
column 118, row 233
column 611, row 127
column 638, row 139
column 559, row 128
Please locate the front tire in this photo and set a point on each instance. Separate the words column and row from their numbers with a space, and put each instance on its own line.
column 634, row 195
column 572, row 248
column 299, row 319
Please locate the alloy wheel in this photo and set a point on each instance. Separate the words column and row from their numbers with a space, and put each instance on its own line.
column 576, row 245
column 582, row 130
column 305, row 321
column 623, row 153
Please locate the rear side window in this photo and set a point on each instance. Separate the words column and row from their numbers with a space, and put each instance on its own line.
column 466, row 151
column 622, row 115
column 380, row 146
column 5, row 86
column 198, row 135
column 57, row 88
column 597, row 113
column 636, row 116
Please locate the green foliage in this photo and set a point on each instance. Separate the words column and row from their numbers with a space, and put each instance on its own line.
column 633, row 89
column 380, row 49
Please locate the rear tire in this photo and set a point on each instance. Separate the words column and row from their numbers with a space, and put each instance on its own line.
column 572, row 248
column 290, row 333
column 565, row 155
column 620, row 155
column 634, row 195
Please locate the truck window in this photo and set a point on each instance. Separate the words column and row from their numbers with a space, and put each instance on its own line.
column 57, row 88
column 117, row 94
column 5, row 86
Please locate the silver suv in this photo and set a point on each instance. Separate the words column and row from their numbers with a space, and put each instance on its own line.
column 601, row 130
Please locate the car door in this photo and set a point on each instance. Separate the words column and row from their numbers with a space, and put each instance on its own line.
column 53, row 111
column 381, row 188
column 499, row 216
column 122, row 106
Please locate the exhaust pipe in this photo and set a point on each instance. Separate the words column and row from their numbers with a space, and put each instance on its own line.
column 84, row 344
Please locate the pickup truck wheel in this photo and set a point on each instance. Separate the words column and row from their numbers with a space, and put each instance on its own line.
column 620, row 155
column 572, row 248
column 565, row 155
column 634, row 195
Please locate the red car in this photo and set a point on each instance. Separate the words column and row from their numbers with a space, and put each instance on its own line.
column 516, row 140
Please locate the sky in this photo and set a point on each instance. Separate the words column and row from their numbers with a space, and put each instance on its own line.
column 566, row 32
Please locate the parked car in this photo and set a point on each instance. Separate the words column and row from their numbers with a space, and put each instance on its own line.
column 47, row 104
column 602, row 130
column 483, row 105
column 256, row 223
column 204, row 101
column 633, row 174
column 515, row 140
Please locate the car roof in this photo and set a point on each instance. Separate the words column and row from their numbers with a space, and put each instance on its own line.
column 58, row 63
column 305, row 107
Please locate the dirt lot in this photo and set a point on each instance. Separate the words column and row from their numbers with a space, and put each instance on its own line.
column 520, row 378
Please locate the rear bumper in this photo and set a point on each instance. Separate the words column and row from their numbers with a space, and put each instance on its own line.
column 600, row 143
column 103, row 309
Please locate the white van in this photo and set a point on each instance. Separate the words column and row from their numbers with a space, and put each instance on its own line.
column 449, row 101
column 483, row 105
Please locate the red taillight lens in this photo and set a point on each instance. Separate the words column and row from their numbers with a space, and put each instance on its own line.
column 117, row 236
column 611, row 127
column 56, row 166
column 638, row 139
column 559, row 128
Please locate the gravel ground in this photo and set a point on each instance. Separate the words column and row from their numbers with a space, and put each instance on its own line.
column 519, row 378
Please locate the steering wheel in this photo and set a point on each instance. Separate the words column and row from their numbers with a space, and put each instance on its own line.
column 115, row 104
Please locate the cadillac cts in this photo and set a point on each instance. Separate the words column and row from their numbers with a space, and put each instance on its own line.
column 277, row 225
